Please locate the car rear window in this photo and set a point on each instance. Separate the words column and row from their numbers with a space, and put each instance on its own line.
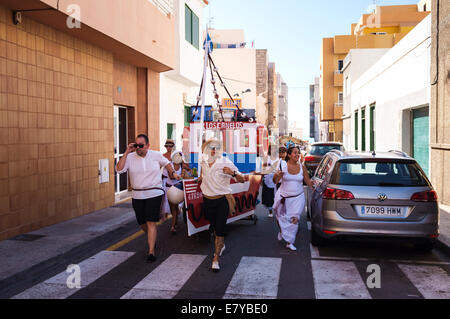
column 321, row 150
column 379, row 173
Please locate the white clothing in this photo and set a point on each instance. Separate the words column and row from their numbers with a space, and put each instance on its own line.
column 291, row 185
column 268, row 179
column 214, row 181
column 168, row 183
column 145, row 172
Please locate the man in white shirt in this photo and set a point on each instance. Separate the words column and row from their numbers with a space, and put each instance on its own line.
column 144, row 168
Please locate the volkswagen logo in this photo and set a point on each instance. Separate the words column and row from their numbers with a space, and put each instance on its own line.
column 382, row 197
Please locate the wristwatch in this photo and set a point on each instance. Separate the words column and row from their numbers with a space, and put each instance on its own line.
column 234, row 174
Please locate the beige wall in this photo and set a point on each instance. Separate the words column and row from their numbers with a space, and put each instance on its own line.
column 56, row 123
column 440, row 102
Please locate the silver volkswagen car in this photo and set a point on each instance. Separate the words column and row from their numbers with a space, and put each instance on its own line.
column 373, row 194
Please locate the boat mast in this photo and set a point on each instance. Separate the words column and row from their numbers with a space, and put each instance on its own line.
column 203, row 97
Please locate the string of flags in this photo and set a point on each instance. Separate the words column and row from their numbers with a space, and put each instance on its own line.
column 229, row 46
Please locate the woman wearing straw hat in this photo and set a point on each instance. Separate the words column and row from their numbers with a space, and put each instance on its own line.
column 216, row 173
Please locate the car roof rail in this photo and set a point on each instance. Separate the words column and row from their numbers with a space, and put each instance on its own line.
column 339, row 152
column 399, row 152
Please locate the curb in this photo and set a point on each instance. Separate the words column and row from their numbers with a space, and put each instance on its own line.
column 443, row 247
column 35, row 274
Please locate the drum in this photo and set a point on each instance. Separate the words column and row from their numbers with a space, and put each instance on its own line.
column 175, row 194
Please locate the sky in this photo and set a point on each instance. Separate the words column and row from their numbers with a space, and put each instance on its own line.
column 292, row 31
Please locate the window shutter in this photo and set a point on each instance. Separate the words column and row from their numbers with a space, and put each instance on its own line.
column 195, row 31
column 188, row 25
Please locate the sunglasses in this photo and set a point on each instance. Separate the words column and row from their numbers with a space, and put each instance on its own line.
column 139, row 145
column 213, row 148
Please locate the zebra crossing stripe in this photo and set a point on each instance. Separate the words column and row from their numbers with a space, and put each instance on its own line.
column 91, row 269
column 167, row 279
column 431, row 281
column 255, row 277
column 338, row 280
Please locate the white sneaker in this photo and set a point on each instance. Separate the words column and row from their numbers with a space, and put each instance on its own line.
column 270, row 215
column 222, row 250
column 280, row 238
column 215, row 266
column 291, row 247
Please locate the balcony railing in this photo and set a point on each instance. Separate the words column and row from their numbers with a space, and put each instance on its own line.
column 165, row 6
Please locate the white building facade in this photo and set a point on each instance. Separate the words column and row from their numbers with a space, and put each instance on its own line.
column 237, row 67
column 387, row 107
column 179, row 87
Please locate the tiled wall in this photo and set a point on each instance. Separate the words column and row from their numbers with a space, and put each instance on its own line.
column 56, row 122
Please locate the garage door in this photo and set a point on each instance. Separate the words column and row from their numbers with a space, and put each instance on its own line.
column 421, row 137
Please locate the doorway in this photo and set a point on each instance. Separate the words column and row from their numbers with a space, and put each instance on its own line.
column 120, row 146
column 421, row 137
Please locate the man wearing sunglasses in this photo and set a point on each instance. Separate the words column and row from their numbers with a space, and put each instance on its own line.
column 144, row 168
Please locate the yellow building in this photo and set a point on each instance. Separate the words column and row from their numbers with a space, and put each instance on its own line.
column 383, row 28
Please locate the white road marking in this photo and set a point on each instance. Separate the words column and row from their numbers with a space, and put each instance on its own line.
column 316, row 255
column 314, row 251
column 167, row 279
column 432, row 281
column 255, row 277
column 91, row 269
column 338, row 280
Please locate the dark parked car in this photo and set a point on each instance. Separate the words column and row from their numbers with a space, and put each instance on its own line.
column 318, row 150
column 373, row 194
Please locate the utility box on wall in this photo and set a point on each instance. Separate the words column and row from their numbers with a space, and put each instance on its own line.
column 103, row 171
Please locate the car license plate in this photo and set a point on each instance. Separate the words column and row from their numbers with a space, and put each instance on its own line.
column 381, row 211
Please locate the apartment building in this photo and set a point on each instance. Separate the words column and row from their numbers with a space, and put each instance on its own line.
column 383, row 28
column 78, row 81
column 180, row 86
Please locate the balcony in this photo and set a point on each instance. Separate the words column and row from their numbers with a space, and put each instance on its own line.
column 338, row 78
column 165, row 6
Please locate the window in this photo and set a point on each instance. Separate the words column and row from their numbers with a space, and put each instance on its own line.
column 392, row 173
column 171, row 132
column 356, row 130
column 340, row 99
column 340, row 65
column 187, row 116
column 191, row 27
column 363, row 129
column 372, row 127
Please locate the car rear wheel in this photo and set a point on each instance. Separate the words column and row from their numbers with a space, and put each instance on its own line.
column 316, row 239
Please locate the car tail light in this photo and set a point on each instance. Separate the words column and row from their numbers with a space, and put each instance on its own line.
column 427, row 196
column 337, row 194
column 329, row 232
column 434, row 236
column 309, row 158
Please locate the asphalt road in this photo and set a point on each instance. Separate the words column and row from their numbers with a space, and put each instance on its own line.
column 255, row 265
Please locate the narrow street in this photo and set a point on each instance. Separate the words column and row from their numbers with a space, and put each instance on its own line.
column 254, row 265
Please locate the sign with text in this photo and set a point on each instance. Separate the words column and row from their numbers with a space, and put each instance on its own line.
column 228, row 103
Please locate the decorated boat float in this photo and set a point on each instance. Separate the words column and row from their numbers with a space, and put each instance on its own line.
column 245, row 143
